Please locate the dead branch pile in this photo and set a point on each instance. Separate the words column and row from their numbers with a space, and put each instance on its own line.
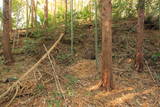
column 28, row 81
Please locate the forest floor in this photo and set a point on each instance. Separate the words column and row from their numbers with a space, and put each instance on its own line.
column 77, row 74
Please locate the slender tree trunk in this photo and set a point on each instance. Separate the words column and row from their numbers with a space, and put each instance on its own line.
column 140, row 36
column 46, row 13
column 66, row 1
column 32, row 13
column 106, row 14
column 35, row 11
column 55, row 11
column 27, row 14
column 6, row 32
column 96, row 32
column 159, row 13
column 90, row 9
column 10, row 15
column 72, row 33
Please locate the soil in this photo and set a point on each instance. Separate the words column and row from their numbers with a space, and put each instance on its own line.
column 78, row 74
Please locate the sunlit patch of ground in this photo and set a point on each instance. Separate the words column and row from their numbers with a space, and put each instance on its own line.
column 131, row 89
column 83, row 68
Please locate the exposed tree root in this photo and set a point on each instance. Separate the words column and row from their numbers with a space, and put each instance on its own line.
column 95, row 87
column 139, row 62
column 100, row 84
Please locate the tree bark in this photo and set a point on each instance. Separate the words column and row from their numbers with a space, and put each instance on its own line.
column 72, row 32
column 35, row 12
column 55, row 11
column 10, row 15
column 6, row 32
column 27, row 14
column 32, row 13
column 46, row 13
column 66, row 10
column 140, row 36
column 106, row 15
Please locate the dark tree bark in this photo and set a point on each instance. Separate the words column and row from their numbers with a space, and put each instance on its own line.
column 6, row 32
column 106, row 16
column 140, row 36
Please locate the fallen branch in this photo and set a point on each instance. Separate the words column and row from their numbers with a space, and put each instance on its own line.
column 32, row 68
column 58, row 85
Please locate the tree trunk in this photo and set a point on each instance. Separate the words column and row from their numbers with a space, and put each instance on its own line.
column 46, row 13
column 72, row 33
column 66, row 1
column 27, row 14
column 140, row 36
column 96, row 32
column 6, row 32
column 90, row 9
column 55, row 11
column 32, row 13
column 106, row 15
column 10, row 15
column 35, row 12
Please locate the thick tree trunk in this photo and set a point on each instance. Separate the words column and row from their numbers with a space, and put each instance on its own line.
column 106, row 14
column 6, row 32
column 46, row 13
column 140, row 36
